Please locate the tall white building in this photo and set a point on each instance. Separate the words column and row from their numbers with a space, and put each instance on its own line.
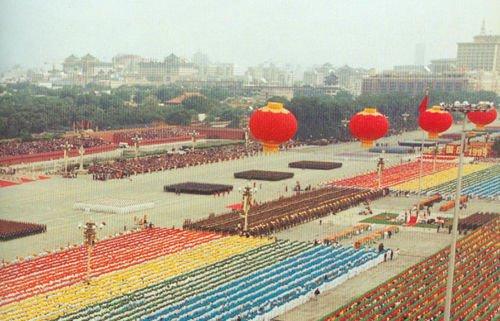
column 483, row 53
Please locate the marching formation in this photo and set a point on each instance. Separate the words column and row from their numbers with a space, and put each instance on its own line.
column 271, row 217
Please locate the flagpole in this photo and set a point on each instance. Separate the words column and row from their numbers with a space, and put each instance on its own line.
column 421, row 108
column 464, row 108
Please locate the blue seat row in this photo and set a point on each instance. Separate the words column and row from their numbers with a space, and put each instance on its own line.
column 260, row 292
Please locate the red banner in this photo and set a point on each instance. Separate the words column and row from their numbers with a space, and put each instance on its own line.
column 474, row 149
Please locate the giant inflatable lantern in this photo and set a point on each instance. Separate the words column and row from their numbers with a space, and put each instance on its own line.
column 368, row 125
column 435, row 121
column 272, row 125
column 482, row 118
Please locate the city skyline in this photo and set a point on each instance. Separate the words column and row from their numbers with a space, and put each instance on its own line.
column 33, row 34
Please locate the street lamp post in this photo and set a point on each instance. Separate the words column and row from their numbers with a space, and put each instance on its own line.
column 89, row 240
column 435, row 157
column 345, row 122
column 66, row 147
column 244, row 126
column 420, row 174
column 405, row 119
column 81, row 151
column 141, row 223
column 463, row 108
column 137, row 140
column 380, row 168
column 246, row 138
column 193, row 134
column 248, row 193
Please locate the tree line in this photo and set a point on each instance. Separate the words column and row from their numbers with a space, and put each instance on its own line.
column 26, row 109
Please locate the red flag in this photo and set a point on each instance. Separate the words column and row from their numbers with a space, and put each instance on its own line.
column 236, row 206
column 423, row 104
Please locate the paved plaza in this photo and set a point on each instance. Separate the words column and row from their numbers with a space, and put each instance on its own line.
column 51, row 202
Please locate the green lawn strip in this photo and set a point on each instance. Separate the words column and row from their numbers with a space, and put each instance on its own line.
column 385, row 218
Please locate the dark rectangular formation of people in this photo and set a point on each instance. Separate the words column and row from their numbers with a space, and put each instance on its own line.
column 11, row 230
column 198, row 188
column 263, row 175
column 315, row 165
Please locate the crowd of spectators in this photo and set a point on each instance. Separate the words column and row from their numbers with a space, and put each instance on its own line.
column 7, row 171
column 127, row 167
column 15, row 147
column 152, row 134
column 11, row 230
column 277, row 215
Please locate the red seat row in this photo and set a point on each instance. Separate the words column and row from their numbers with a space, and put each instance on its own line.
column 392, row 175
column 418, row 293
column 52, row 271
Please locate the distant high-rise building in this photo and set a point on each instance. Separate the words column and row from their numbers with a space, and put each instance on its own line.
column 313, row 78
column 200, row 59
column 413, row 83
column 173, row 68
column 443, row 66
column 126, row 63
column 72, row 64
column 350, row 79
column 86, row 69
column 481, row 54
column 270, row 75
column 413, row 69
column 420, row 54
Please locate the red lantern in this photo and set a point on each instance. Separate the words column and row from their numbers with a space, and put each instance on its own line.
column 482, row 118
column 435, row 121
column 368, row 125
column 272, row 125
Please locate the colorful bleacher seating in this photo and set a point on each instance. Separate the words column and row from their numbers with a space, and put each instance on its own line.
column 392, row 175
column 159, row 274
column 418, row 292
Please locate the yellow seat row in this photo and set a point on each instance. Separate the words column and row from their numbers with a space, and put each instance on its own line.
column 441, row 177
column 51, row 305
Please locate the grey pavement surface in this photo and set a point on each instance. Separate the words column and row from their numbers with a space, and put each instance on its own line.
column 51, row 201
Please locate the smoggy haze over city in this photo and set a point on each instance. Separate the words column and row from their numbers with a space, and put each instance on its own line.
column 376, row 34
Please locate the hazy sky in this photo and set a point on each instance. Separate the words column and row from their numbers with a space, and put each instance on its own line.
column 369, row 33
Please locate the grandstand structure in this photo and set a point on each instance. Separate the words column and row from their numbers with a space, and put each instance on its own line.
column 393, row 175
column 202, row 272
column 484, row 183
column 417, row 294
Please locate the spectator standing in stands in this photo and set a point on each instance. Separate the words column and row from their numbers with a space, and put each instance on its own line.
column 316, row 293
